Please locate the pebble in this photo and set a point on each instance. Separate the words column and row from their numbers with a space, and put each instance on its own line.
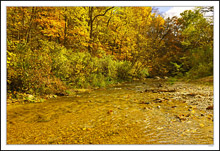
column 156, row 77
column 188, row 115
column 201, row 125
column 158, row 100
column 110, row 112
column 209, row 108
column 158, row 107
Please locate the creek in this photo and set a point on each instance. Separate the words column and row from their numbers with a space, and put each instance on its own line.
column 130, row 113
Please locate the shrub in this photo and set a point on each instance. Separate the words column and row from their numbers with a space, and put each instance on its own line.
column 107, row 67
column 172, row 80
column 143, row 73
column 124, row 70
column 30, row 71
column 52, row 68
column 202, row 70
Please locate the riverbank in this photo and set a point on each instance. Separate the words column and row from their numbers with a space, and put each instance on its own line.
column 22, row 98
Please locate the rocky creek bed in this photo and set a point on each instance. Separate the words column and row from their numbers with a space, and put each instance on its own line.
column 141, row 112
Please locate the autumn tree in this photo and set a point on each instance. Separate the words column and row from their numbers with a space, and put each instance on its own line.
column 94, row 13
column 51, row 48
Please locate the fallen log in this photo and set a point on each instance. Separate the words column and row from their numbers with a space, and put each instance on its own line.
column 160, row 90
column 171, row 90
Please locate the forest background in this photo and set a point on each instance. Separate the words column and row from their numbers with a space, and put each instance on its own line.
column 52, row 49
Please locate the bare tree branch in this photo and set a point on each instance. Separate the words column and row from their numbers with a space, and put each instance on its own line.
column 103, row 13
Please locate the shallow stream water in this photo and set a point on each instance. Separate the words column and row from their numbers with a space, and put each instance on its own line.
column 121, row 114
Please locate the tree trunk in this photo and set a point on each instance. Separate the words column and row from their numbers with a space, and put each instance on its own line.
column 90, row 24
column 65, row 28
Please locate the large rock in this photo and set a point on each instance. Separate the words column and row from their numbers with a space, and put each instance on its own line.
column 165, row 77
column 30, row 97
column 156, row 77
